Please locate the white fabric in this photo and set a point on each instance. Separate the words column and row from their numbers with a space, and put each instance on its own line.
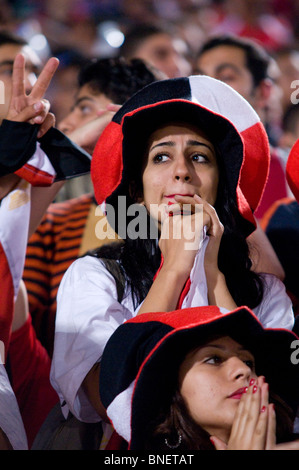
column 10, row 418
column 41, row 161
column 232, row 105
column 119, row 412
column 14, row 224
column 88, row 313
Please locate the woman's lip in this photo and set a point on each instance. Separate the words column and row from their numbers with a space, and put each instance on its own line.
column 177, row 194
column 238, row 393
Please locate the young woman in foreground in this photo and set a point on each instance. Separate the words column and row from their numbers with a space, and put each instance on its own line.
column 184, row 157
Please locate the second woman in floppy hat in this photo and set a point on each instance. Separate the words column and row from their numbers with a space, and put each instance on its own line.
column 194, row 378
column 190, row 141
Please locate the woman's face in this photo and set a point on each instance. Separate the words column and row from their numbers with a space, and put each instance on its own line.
column 180, row 160
column 212, row 380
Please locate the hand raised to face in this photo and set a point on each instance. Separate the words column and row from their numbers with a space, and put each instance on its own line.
column 32, row 107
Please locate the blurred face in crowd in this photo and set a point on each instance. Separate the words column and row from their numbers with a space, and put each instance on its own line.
column 228, row 64
column 289, row 72
column 164, row 53
column 87, row 105
column 8, row 53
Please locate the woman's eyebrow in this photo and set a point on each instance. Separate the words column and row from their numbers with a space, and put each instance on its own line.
column 170, row 143
column 196, row 142
column 219, row 346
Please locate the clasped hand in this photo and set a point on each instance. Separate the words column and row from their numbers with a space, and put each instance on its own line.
column 254, row 426
column 182, row 233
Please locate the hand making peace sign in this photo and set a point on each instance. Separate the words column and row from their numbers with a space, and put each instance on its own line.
column 32, row 108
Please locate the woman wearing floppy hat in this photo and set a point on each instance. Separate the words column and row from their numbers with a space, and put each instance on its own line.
column 199, row 378
column 187, row 152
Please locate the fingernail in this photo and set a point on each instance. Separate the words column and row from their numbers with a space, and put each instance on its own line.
column 254, row 389
column 37, row 106
column 263, row 409
column 251, row 381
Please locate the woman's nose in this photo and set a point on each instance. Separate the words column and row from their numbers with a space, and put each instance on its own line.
column 237, row 368
column 181, row 170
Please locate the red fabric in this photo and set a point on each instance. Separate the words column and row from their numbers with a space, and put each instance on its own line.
column 255, row 169
column 115, row 442
column 6, row 300
column 292, row 170
column 35, row 176
column 109, row 146
column 30, row 369
column 189, row 316
column 276, row 187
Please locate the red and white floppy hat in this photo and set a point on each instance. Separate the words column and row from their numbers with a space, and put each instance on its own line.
column 140, row 363
column 292, row 170
column 225, row 116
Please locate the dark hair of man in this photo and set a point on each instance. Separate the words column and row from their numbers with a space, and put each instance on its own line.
column 117, row 78
column 135, row 36
column 257, row 59
column 6, row 37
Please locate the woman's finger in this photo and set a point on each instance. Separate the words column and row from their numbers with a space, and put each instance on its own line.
column 271, row 431
column 259, row 439
column 216, row 228
column 28, row 114
column 44, row 110
column 246, row 415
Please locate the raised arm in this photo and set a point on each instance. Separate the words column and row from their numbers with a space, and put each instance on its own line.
column 34, row 109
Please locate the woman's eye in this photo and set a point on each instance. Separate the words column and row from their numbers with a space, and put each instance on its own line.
column 199, row 158
column 250, row 364
column 213, row 360
column 159, row 158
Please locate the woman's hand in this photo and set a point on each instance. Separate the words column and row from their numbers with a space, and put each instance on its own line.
column 182, row 232
column 254, row 426
column 32, row 108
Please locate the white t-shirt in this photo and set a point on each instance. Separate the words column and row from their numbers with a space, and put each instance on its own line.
column 88, row 313
column 10, row 418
